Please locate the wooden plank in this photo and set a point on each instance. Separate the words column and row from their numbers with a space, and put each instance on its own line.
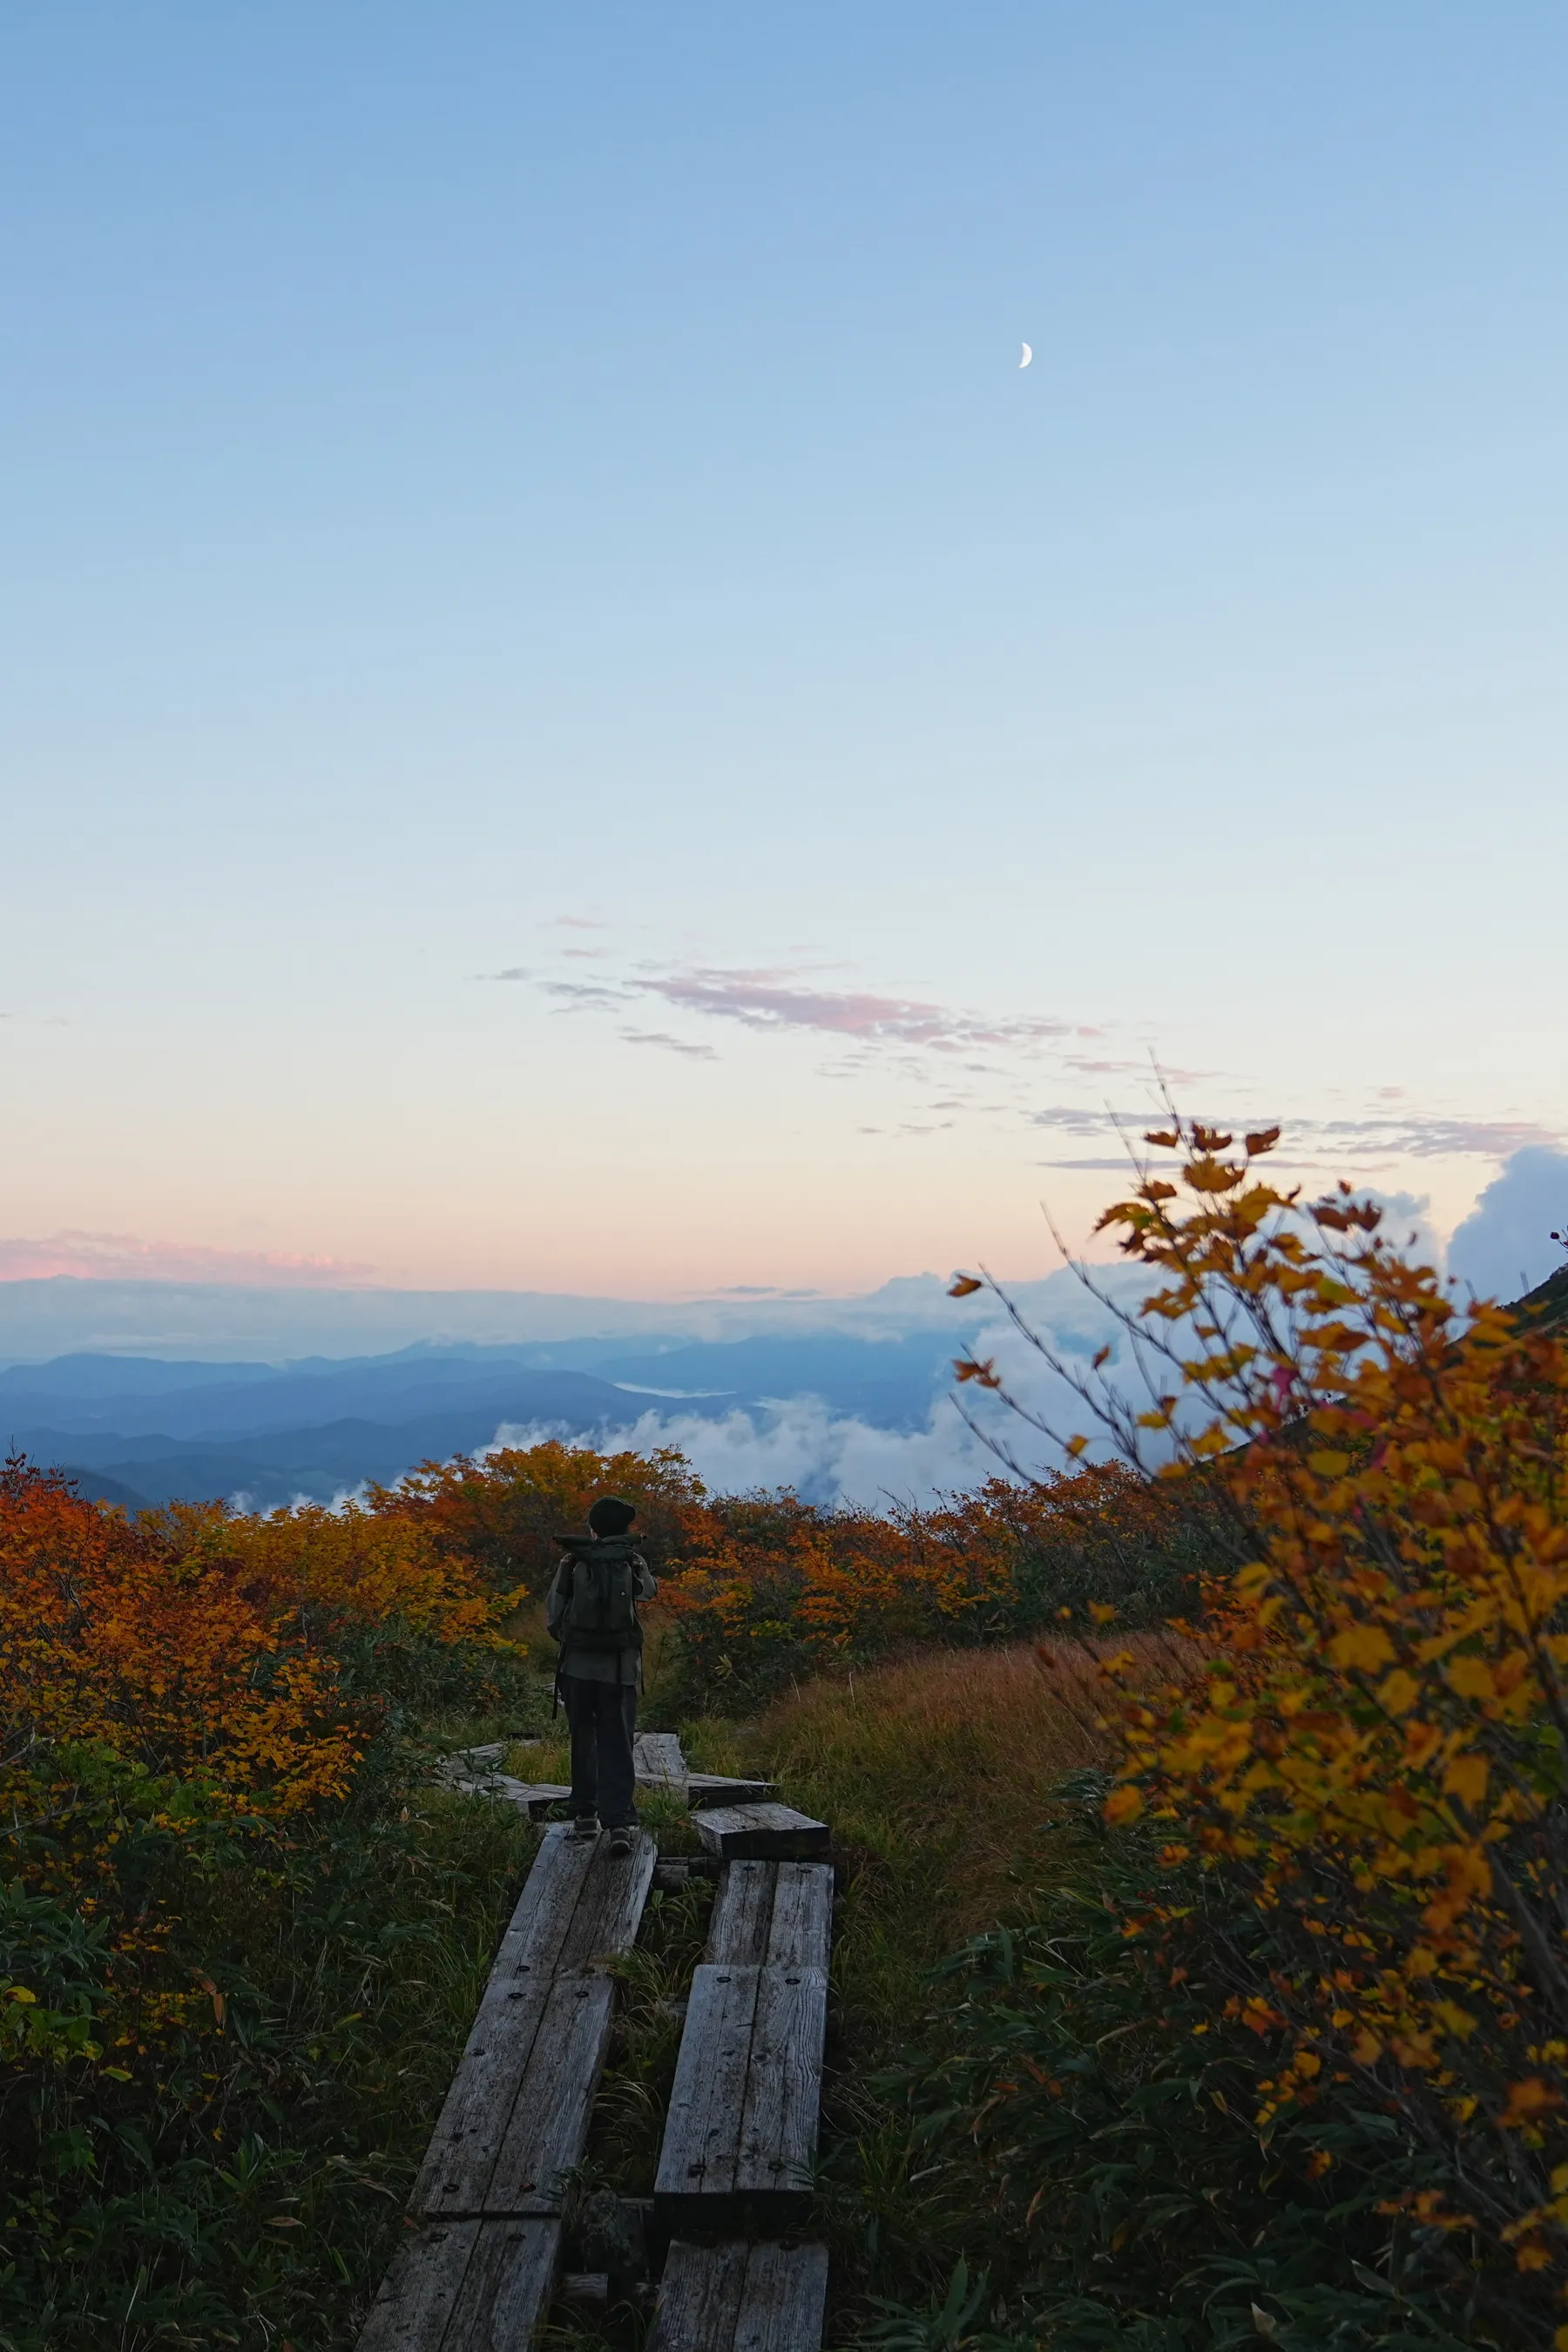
column 702, row 2126
column 469, row 2133
column 477, row 1759
column 581, row 1906
column 420, row 2290
column 800, row 1933
column 742, row 1911
column 538, row 1797
column 610, row 1908
column 777, row 2145
column 761, row 1832
column 547, row 2130
column 698, row 2298
column 736, row 2297
column 507, row 2288
column 740, row 2139
column 657, row 1761
column 718, row 1789
column 533, row 1798
column 782, row 2300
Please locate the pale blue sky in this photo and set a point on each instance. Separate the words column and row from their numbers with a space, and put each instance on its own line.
column 471, row 467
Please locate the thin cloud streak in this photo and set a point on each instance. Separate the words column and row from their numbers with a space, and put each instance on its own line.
column 670, row 1045
column 126, row 1257
column 899, row 1035
column 1411, row 1137
column 772, row 1000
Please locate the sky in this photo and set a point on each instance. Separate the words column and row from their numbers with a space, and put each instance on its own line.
column 570, row 720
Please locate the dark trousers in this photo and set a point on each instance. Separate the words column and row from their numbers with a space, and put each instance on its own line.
column 602, row 1721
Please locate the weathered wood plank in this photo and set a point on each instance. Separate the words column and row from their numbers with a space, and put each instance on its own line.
column 473, row 2119
column 782, row 2300
column 657, row 1761
column 420, row 2290
column 777, row 2143
column 742, row 1912
column 580, row 1907
column 506, row 2289
column 761, row 1832
column 610, row 1907
column 533, row 1798
column 702, row 2126
column 740, row 2138
column 547, row 2130
column 734, row 2297
column 718, row 1789
column 800, row 1933
column 538, row 1797
column 698, row 2298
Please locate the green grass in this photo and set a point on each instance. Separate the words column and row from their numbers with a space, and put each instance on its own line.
column 935, row 1776
column 243, row 2181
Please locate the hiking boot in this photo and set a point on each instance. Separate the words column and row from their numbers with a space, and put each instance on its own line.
column 621, row 1839
column 585, row 1826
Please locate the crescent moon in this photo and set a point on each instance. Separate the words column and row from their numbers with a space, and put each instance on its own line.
column 1029, row 355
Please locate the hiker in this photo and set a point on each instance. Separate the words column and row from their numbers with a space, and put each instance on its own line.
column 592, row 1612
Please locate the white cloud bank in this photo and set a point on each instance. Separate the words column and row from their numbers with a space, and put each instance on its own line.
column 1504, row 1246
column 826, row 1457
column 829, row 1457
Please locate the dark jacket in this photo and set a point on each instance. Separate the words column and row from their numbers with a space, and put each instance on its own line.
column 598, row 1666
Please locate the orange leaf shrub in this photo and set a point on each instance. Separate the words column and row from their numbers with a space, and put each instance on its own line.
column 1379, row 1745
column 501, row 1516
column 177, row 1661
column 324, row 1571
column 786, row 1588
column 188, row 1673
column 762, row 1586
column 212, row 1885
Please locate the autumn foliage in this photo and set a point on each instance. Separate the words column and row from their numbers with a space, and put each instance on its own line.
column 760, row 1590
column 780, row 1590
column 498, row 1517
column 1377, row 1746
column 210, row 1876
column 189, row 1699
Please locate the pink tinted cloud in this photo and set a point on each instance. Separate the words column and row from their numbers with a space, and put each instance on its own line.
column 1428, row 1138
column 126, row 1257
column 772, row 1000
column 670, row 1045
column 1413, row 1137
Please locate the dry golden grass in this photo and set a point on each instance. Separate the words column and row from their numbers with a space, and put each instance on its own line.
column 939, row 1774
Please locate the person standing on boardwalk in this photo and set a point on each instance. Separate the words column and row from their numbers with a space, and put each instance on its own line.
column 591, row 1612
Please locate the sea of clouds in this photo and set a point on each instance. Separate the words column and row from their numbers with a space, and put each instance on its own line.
column 832, row 1457
column 1502, row 1248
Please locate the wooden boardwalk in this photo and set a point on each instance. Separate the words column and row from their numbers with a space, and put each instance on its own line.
column 661, row 1770
column 740, row 2140
column 740, row 2298
column 479, row 2272
column 480, row 2265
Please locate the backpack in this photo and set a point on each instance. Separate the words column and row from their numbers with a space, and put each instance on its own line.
column 601, row 1611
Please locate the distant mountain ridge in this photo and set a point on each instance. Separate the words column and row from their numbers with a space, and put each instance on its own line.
column 48, row 1317
column 145, row 1430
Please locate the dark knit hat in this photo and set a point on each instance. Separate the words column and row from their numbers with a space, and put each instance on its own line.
column 611, row 1516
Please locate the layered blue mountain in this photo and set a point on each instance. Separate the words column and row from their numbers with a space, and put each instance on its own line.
column 143, row 1430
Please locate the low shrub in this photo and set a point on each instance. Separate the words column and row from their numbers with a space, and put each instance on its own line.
column 500, row 1518
column 787, row 1590
column 761, row 1590
column 240, row 1940
column 1082, row 2124
column 1374, row 1758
